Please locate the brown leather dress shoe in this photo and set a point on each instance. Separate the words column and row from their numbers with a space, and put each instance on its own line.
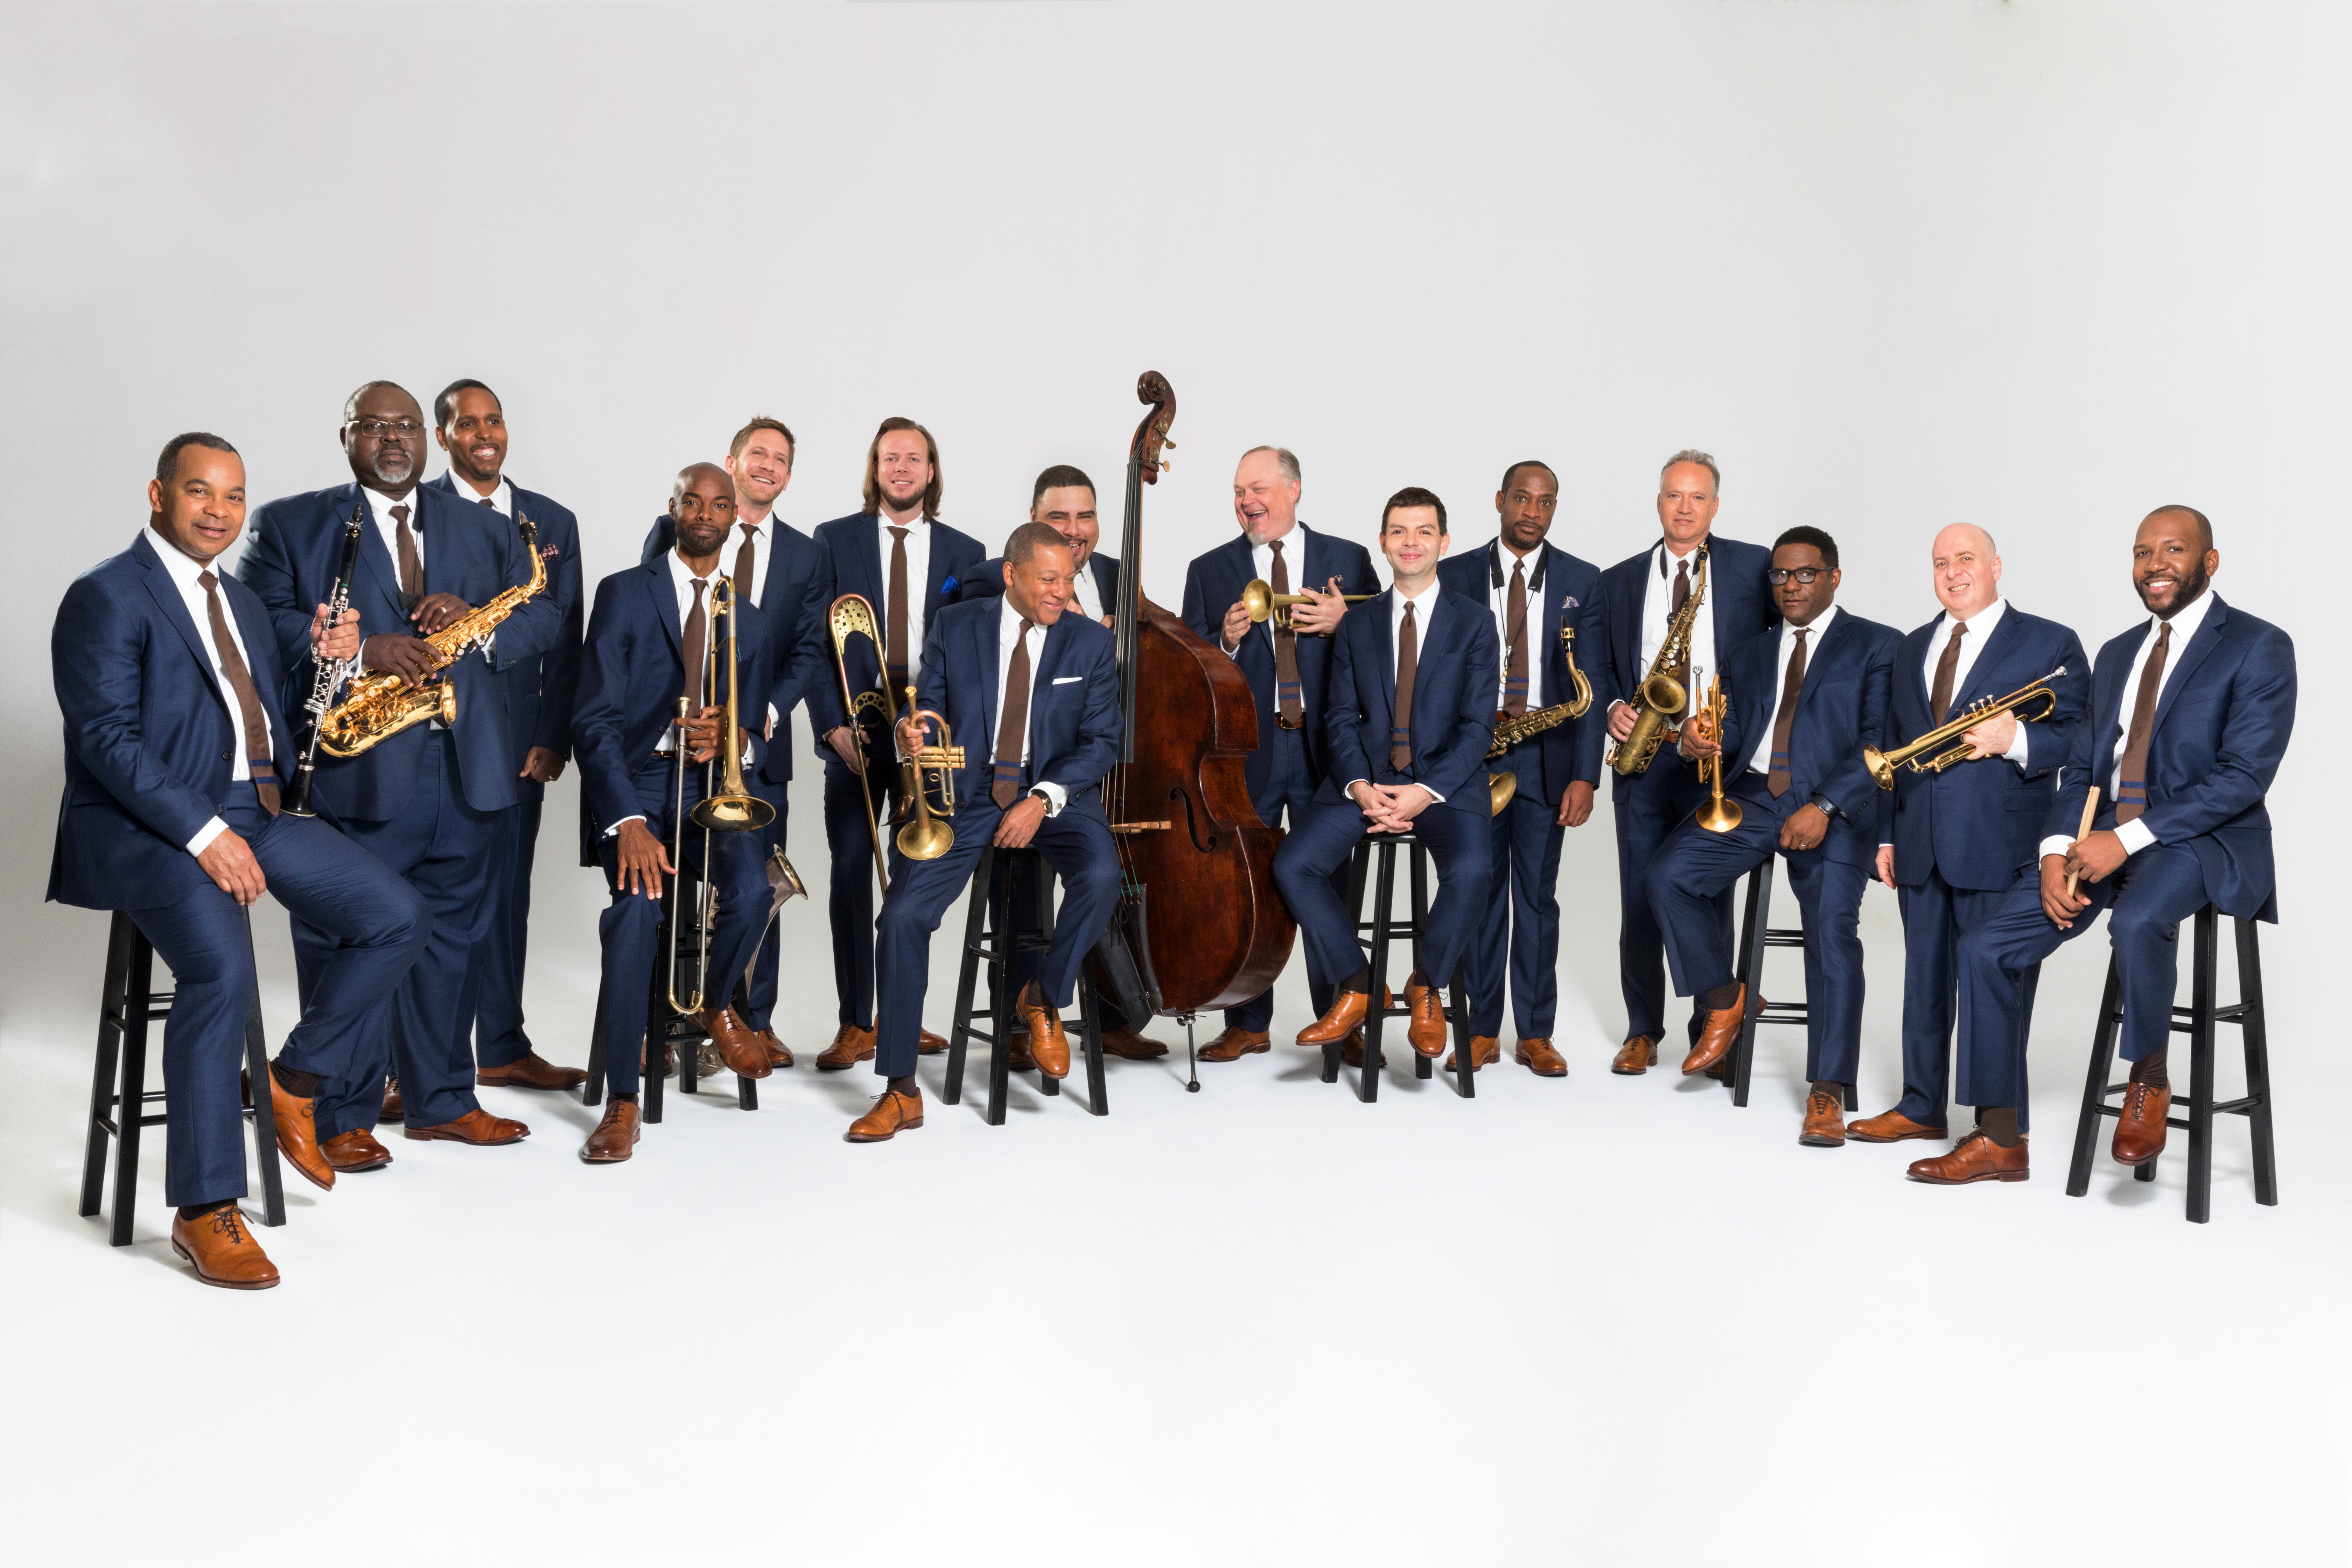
column 1635, row 1056
column 1233, row 1045
column 1347, row 1013
column 2139, row 1131
column 926, row 1044
column 851, row 1045
column 297, row 1136
column 1425, row 1020
column 1352, row 1049
column 223, row 1251
column 893, row 1113
column 615, row 1137
column 477, row 1127
column 1890, row 1127
column 356, row 1150
column 530, row 1070
column 1977, row 1158
column 1715, row 1041
column 779, row 1055
column 1486, row 1050
column 1538, row 1057
column 1022, row 1061
column 739, row 1047
column 1049, row 1046
column 1128, row 1045
column 394, row 1110
column 1825, row 1125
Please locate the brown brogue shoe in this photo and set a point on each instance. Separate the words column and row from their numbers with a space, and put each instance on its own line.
column 530, row 1070
column 1635, row 1056
column 1715, row 1041
column 893, row 1113
column 1538, row 1058
column 1128, row 1045
column 1486, row 1050
column 850, row 1045
column 779, row 1055
column 1425, row 1019
column 477, row 1127
column 1352, row 1049
column 2139, row 1129
column 1048, row 1045
column 615, row 1137
column 1020, row 1060
column 1825, row 1125
column 1890, row 1127
column 926, row 1044
column 222, row 1249
column 394, row 1110
column 739, row 1047
column 297, row 1136
column 355, row 1150
column 1235, row 1044
column 1976, row 1158
column 1347, row 1013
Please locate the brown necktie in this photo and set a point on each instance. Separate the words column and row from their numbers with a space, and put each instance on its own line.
column 1777, row 780
column 697, row 636
column 1408, row 659
column 744, row 561
column 1514, row 669
column 489, row 502
column 2131, row 778
column 249, row 701
column 896, row 655
column 1013, row 724
column 1939, row 701
column 412, row 569
column 1682, row 597
column 1289, row 697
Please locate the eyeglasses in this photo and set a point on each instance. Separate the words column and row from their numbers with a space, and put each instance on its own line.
column 377, row 429
column 1805, row 574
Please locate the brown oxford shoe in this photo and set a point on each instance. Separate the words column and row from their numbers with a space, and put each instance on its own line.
column 1977, row 1158
column 1020, row 1060
column 1233, row 1045
column 1538, row 1057
column 739, row 1047
column 1714, row 1042
column 926, row 1044
column 1128, row 1045
column 1345, row 1014
column 1425, row 1018
column 1485, row 1051
column 355, row 1150
column 297, row 1136
column 1825, row 1125
column 615, row 1137
column 530, row 1070
column 477, row 1127
column 1635, row 1056
column 893, row 1113
column 1049, row 1046
column 222, row 1249
column 850, row 1045
column 1890, row 1127
column 1352, row 1049
column 2139, row 1129
column 394, row 1110
column 779, row 1055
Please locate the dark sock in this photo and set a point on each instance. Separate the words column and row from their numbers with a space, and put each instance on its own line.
column 1833, row 1090
column 1361, row 982
column 2149, row 1070
column 625, row 1099
column 1716, row 998
column 906, row 1086
column 300, row 1085
column 198, row 1211
column 1999, row 1123
column 1418, row 978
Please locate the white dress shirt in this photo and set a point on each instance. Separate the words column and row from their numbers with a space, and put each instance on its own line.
column 2135, row 834
column 1294, row 556
column 1008, row 626
column 1658, row 611
column 1762, row 763
column 1424, row 617
column 502, row 499
column 919, row 576
column 185, row 570
column 1498, row 599
column 1085, row 594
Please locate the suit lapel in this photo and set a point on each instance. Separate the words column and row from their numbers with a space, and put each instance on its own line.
column 166, row 594
column 935, row 572
column 867, row 549
column 2199, row 648
column 1817, row 660
column 1986, row 677
column 662, row 593
column 375, row 566
column 990, row 649
column 1915, row 665
column 1384, row 640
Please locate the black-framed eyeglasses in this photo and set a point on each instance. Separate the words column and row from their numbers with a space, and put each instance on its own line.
column 1805, row 574
column 377, row 429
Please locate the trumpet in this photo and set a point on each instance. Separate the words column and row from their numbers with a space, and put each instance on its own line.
column 1660, row 696
column 928, row 837
column 726, row 805
column 1718, row 815
column 1266, row 605
column 851, row 616
column 1883, row 765
column 1501, row 787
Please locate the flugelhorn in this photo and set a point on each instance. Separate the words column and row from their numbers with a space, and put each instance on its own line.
column 928, row 837
column 733, row 809
column 1660, row 696
column 851, row 616
column 1266, row 605
column 1883, row 765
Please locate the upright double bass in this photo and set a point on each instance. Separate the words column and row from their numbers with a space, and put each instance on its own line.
column 1199, row 925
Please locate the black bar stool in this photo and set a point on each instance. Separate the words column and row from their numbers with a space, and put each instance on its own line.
column 1756, row 933
column 665, row 1027
column 130, row 1003
column 993, row 933
column 2197, row 1021
column 1375, row 935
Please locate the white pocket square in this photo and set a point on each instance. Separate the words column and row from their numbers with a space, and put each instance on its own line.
column 1066, row 679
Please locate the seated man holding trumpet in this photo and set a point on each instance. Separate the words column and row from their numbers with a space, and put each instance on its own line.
column 1794, row 710
column 1043, row 687
column 665, row 640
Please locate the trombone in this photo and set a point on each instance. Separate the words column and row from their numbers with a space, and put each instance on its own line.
column 1718, row 815
column 1883, row 765
column 1266, row 605
column 726, row 806
column 852, row 615
column 927, row 835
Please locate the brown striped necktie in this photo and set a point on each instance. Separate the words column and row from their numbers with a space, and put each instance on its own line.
column 249, row 701
column 1791, row 685
column 697, row 638
column 745, row 560
column 412, row 569
column 2131, row 776
column 1289, row 696
column 1939, row 702
column 894, row 654
column 1408, row 664
column 1514, row 669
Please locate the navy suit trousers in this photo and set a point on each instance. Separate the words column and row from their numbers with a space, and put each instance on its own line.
column 1647, row 810
column 1935, row 916
column 379, row 926
column 1312, row 865
column 1021, row 892
column 757, row 993
column 1523, row 854
column 1290, row 787
column 850, row 901
column 495, row 987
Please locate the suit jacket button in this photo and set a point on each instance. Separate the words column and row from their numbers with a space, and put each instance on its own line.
column 223, row 756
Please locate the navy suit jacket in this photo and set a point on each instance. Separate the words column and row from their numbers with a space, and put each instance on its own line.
column 1976, row 824
column 1570, row 592
column 1841, row 709
column 1073, row 721
column 851, row 553
column 632, row 669
column 1453, row 700
column 793, row 599
column 1214, row 583
column 2222, row 728
column 147, row 731
column 541, row 687
column 1739, row 605
column 987, row 580
column 295, row 546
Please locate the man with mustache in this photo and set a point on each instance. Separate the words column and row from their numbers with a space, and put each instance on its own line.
column 1288, row 665
column 2190, row 715
column 429, row 802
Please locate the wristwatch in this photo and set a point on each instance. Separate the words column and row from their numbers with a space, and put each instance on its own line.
column 1827, row 806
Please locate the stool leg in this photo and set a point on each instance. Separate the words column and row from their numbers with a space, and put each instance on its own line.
column 2094, row 1084
column 1421, row 1067
column 131, row 1107
column 1750, row 974
column 746, row 1093
column 2200, row 1069
column 975, row 915
column 2257, row 1040
column 1091, row 1029
column 1000, row 983
column 1465, row 1058
column 119, row 938
column 1375, row 1015
column 1359, row 865
column 265, row 1118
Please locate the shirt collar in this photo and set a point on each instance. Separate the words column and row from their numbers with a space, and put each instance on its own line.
column 1985, row 619
column 1010, row 618
column 184, row 567
column 1424, row 601
column 502, row 496
column 1819, row 629
column 2185, row 622
column 1498, row 557
column 683, row 579
column 382, row 505
column 920, row 528
column 1668, row 560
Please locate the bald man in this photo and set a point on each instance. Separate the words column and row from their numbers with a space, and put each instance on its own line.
column 1950, row 843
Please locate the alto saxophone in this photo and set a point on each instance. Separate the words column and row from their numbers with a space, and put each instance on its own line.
column 381, row 706
column 1501, row 787
column 1660, row 696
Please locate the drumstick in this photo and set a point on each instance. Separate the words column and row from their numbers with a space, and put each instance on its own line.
column 2090, row 810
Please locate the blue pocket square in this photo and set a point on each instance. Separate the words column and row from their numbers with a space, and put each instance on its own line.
column 947, row 586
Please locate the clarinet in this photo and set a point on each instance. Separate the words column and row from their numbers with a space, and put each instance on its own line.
column 328, row 672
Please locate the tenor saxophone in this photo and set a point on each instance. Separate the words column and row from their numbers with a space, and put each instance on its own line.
column 381, row 706
column 1660, row 696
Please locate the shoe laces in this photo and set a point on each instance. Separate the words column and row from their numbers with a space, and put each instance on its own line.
column 229, row 1222
column 1818, row 1104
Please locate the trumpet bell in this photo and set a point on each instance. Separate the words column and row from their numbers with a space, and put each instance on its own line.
column 1257, row 597
column 1719, row 815
column 1880, row 768
column 1501, row 789
column 926, row 839
column 732, row 813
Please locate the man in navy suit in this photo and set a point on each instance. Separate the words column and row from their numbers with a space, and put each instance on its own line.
column 1802, row 702
column 1644, row 593
column 176, row 746
column 651, row 640
column 1960, row 837
column 470, row 424
column 2189, row 714
column 429, row 801
column 1411, row 702
column 909, row 566
column 1032, row 695
column 1537, row 595
column 1288, row 665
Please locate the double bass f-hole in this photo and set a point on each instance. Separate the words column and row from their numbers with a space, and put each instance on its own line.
column 1193, row 820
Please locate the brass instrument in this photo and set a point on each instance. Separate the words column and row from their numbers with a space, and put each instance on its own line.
column 928, row 837
column 1718, row 815
column 381, row 705
column 704, row 912
column 850, row 616
column 1660, row 696
column 1501, row 787
column 1883, row 764
column 733, row 809
column 1266, row 605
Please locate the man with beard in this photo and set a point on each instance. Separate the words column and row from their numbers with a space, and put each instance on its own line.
column 470, row 424
column 2190, row 715
column 1288, row 665
column 429, row 802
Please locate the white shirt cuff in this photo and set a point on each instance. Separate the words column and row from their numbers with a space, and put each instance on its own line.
column 1055, row 795
column 2056, row 844
column 624, row 823
column 2017, row 747
column 205, row 835
column 2135, row 835
column 1348, row 789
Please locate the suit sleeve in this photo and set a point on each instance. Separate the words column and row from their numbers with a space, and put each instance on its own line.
column 1342, row 720
column 805, row 669
column 1196, row 609
column 1098, row 727
column 1850, row 785
column 931, row 693
column 986, row 582
column 598, row 718
column 1362, row 578
column 267, row 568
column 1458, row 762
column 824, row 709
column 2254, row 743
column 559, row 685
column 2051, row 741
column 658, row 539
column 1591, row 737
column 96, row 655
